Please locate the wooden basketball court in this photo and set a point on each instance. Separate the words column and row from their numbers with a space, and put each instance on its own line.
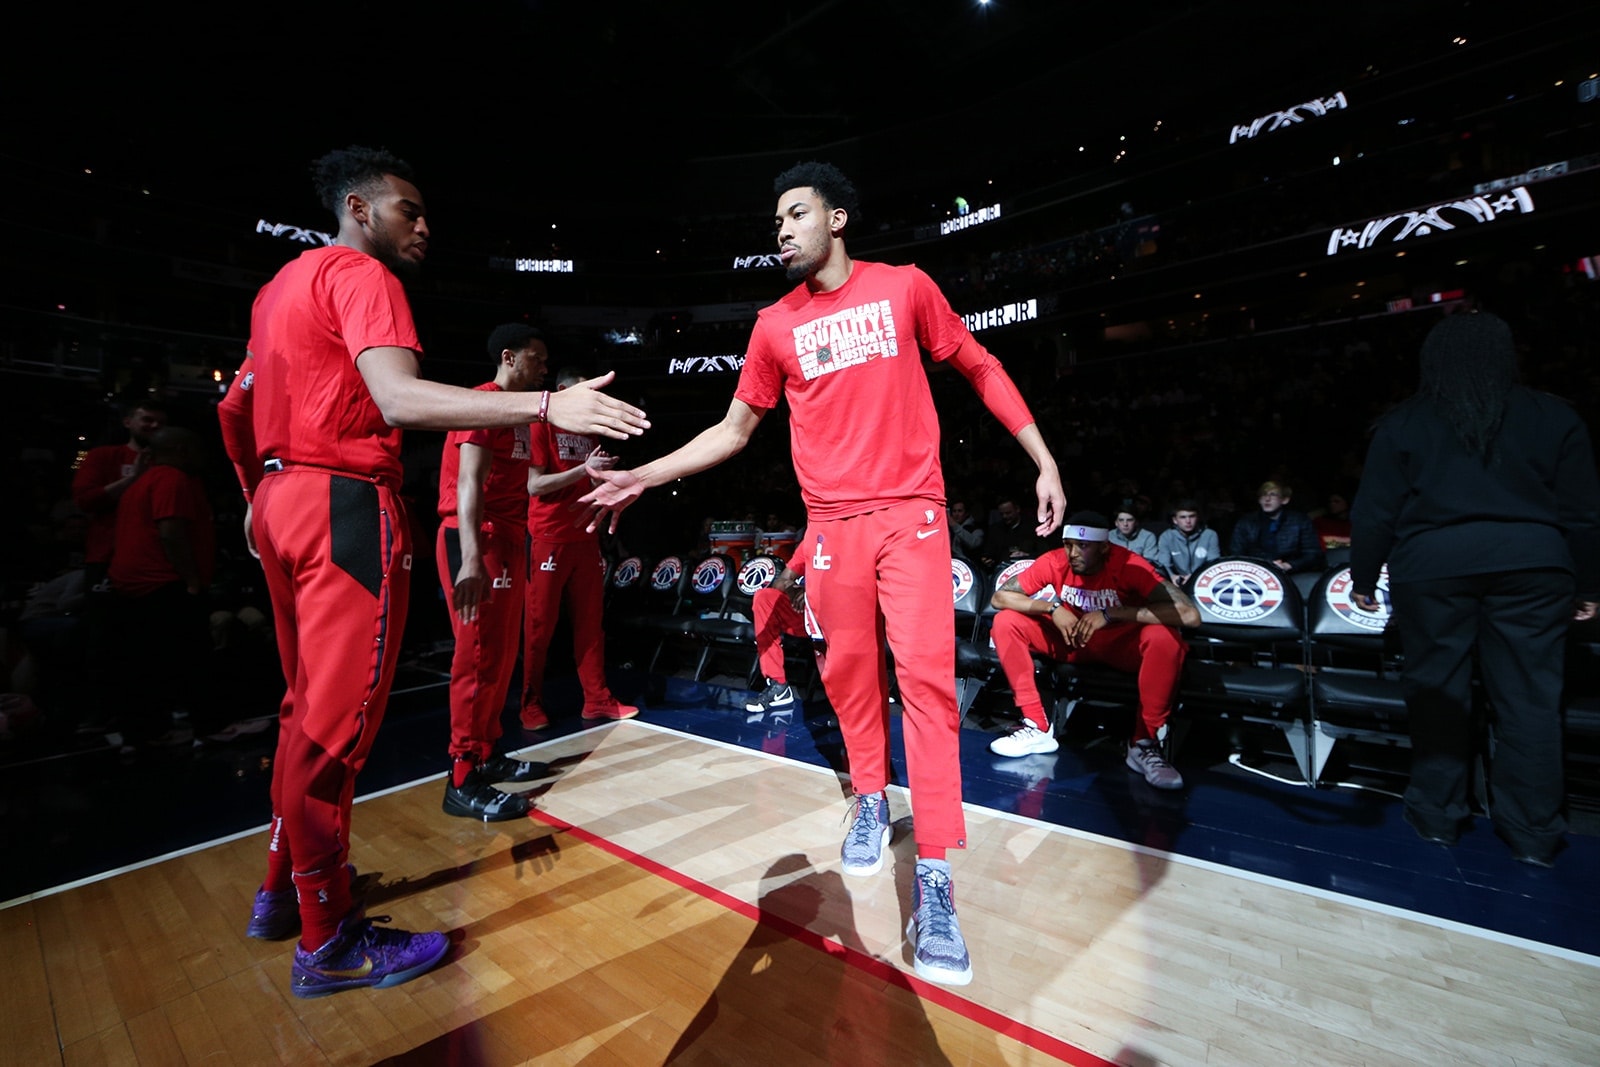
column 678, row 900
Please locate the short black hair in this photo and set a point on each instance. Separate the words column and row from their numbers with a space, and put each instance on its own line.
column 1188, row 503
column 828, row 180
column 512, row 335
column 352, row 169
column 1093, row 519
column 129, row 404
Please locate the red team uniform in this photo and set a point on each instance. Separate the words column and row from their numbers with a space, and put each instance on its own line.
column 564, row 566
column 486, row 648
column 776, row 615
column 334, row 544
column 874, row 496
column 1154, row 653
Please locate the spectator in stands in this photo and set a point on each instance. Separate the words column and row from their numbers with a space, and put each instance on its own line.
column 160, row 571
column 966, row 536
column 1135, row 538
column 1188, row 544
column 1333, row 524
column 1009, row 537
column 1112, row 607
column 779, row 609
column 104, row 475
column 565, row 569
column 1278, row 533
column 1482, row 496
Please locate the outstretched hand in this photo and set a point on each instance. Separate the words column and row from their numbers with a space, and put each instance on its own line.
column 1052, row 502
column 614, row 491
column 583, row 408
column 599, row 460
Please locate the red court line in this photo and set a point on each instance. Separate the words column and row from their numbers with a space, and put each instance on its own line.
column 877, row 968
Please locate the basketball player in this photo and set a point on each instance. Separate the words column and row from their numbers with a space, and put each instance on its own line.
column 843, row 346
column 565, row 566
column 481, row 554
column 312, row 423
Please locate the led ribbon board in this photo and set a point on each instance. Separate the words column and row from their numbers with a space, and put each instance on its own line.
column 1277, row 120
column 1478, row 210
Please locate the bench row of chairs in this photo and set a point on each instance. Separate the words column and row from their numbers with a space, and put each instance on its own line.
column 1291, row 654
column 1315, row 668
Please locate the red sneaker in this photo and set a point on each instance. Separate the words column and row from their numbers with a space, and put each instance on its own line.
column 611, row 711
column 534, row 718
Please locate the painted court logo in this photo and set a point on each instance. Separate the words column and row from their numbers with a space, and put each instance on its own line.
column 1338, row 594
column 757, row 575
column 1238, row 591
column 708, row 576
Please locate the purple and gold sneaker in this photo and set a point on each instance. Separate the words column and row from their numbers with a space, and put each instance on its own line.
column 275, row 915
column 361, row 954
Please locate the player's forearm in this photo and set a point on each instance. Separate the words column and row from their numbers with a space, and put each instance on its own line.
column 1032, row 442
column 1007, row 600
column 420, row 404
column 540, row 484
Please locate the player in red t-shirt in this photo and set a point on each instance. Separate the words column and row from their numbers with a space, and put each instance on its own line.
column 844, row 348
column 312, row 424
column 1100, row 604
column 565, row 566
column 481, row 552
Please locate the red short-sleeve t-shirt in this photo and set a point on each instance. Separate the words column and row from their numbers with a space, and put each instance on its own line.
column 505, row 491
column 551, row 516
column 307, row 328
column 1127, row 578
column 863, row 431
column 139, row 564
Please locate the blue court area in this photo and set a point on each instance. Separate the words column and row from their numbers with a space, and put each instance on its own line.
column 76, row 816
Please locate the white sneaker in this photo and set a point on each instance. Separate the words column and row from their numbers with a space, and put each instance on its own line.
column 1025, row 740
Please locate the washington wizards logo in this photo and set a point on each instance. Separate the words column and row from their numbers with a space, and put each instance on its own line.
column 825, row 354
column 960, row 579
column 1338, row 594
column 757, row 575
column 666, row 574
column 1238, row 591
column 627, row 572
column 709, row 574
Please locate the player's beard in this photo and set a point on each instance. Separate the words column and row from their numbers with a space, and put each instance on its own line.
column 388, row 253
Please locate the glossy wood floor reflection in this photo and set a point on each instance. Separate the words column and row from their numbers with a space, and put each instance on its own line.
column 680, row 901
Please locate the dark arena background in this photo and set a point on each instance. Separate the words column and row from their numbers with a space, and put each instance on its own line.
column 1205, row 239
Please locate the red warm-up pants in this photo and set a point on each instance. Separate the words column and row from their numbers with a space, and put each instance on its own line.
column 486, row 648
column 1154, row 653
column 336, row 553
column 775, row 615
column 573, row 573
column 884, row 576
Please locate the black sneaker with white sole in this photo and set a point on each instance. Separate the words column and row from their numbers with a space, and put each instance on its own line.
column 477, row 798
column 776, row 698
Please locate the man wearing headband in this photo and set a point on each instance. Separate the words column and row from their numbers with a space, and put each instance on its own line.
column 1091, row 601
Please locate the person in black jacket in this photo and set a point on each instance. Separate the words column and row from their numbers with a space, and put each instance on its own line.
column 1482, row 496
column 1278, row 533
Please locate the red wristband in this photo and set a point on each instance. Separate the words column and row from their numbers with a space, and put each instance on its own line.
column 544, row 406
